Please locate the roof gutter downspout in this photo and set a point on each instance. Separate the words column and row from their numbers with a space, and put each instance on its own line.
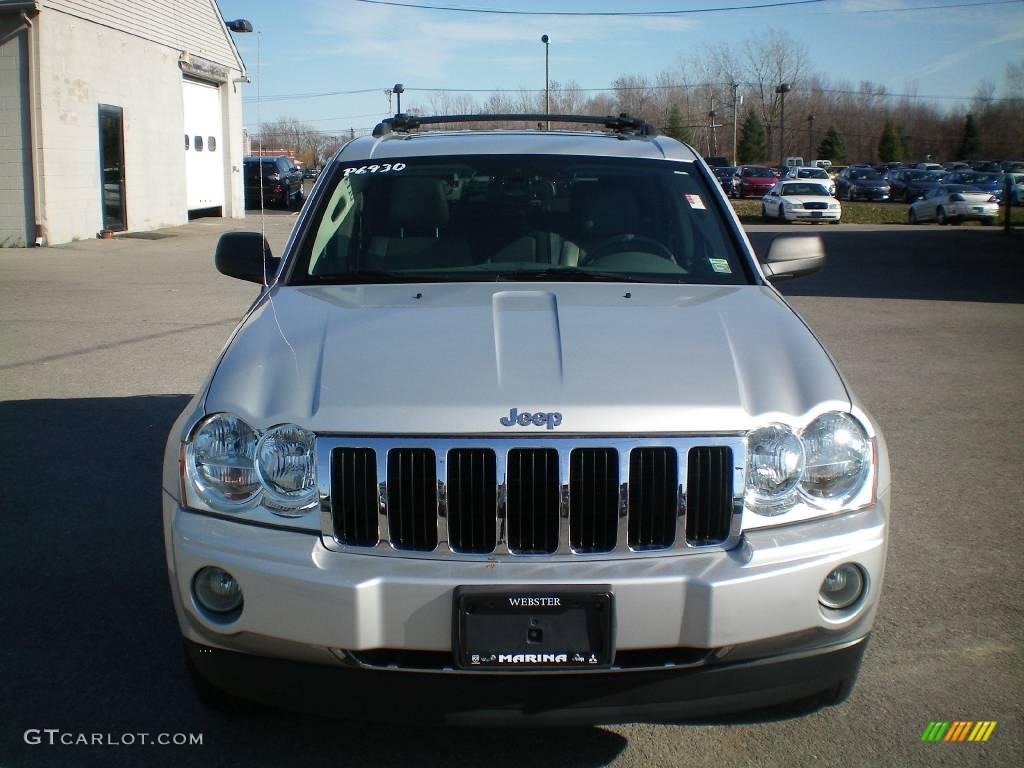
column 32, row 129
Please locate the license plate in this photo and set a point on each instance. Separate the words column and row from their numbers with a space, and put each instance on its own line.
column 978, row 209
column 536, row 628
column 816, row 214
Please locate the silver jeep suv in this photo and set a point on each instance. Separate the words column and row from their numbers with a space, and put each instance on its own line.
column 519, row 430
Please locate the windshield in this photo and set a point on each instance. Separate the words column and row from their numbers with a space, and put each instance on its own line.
column 543, row 217
column 811, row 173
column 861, row 174
column 806, row 188
column 757, row 172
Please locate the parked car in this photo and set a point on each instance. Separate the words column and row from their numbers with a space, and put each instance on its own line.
column 1016, row 187
column 806, row 172
column 985, row 166
column 1012, row 166
column 753, row 181
column 796, row 200
column 310, row 173
column 861, row 182
column 956, row 165
column 929, row 167
column 520, row 431
column 908, row 184
column 835, row 170
column 726, row 177
column 985, row 182
column 281, row 182
column 952, row 204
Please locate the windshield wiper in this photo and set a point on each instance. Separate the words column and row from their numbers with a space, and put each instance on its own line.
column 576, row 274
column 375, row 276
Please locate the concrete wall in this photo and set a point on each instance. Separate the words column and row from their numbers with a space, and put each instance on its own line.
column 16, row 215
column 83, row 65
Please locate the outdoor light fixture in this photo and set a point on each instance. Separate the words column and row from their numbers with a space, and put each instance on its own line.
column 782, row 90
column 547, row 89
column 239, row 25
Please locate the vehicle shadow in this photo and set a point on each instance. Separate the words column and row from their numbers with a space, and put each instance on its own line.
column 954, row 264
column 90, row 642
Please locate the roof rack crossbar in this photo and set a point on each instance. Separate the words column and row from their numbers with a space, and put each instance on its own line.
column 621, row 123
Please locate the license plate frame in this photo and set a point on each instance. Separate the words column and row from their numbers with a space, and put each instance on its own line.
column 508, row 628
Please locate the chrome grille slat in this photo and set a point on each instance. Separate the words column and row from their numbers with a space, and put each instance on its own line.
column 591, row 506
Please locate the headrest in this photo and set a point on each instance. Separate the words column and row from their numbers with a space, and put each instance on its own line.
column 605, row 208
column 418, row 203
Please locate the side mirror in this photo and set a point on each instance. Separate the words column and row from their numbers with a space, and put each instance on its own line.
column 245, row 255
column 790, row 257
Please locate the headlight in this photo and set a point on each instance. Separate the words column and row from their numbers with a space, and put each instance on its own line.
column 774, row 466
column 838, row 458
column 220, row 461
column 285, row 466
column 826, row 467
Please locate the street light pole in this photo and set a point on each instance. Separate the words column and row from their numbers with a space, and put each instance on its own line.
column 735, row 112
column 782, row 90
column 547, row 87
column 810, row 137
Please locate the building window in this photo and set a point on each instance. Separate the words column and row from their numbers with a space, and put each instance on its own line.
column 186, row 142
column 211, row 143
column 198, row 143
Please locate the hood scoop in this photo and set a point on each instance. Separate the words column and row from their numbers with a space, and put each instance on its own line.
column 527, row 340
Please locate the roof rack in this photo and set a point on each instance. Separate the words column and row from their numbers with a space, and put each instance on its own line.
column 624, row 123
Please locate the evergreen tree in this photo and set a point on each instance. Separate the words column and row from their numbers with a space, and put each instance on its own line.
column 753, row 146
column 676, row 128
column 890, row 148
column 832, row 147
column 970, row 143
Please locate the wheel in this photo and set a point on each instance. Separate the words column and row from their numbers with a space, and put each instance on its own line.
column 849, row 194
column 764, row 213
column 911, row 217
column 987, row 222
column 627, row 242
column 940, row 216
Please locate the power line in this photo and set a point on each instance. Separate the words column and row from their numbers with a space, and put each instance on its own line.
column 508, row 12
column 287, row 96
column 933, row 7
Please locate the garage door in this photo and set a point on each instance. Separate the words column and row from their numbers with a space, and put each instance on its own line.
column 16, row 217
column 204, row 161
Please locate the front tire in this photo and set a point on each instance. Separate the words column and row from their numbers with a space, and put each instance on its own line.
column 849, row 194
column 764, row 213
column 911, row 217
column 940, row 216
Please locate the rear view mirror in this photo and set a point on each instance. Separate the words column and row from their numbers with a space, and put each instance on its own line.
column 790, row 257
column 245, row 255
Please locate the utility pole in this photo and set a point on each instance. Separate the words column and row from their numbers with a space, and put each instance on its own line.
column 735, row 114
column 810, row 137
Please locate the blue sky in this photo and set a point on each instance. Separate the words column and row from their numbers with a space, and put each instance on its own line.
column 315, row 46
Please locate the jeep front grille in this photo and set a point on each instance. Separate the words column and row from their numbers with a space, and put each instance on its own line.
column 570, row 497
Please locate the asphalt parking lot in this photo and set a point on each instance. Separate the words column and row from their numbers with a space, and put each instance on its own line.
column 103, row 342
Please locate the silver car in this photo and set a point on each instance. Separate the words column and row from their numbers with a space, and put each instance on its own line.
column 952, row 204
column 517, row 430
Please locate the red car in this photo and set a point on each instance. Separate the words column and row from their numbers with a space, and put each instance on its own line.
column 753, row 181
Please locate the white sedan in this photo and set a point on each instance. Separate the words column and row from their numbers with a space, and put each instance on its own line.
column 809, row 173
column 953, row 203
column 800, row 201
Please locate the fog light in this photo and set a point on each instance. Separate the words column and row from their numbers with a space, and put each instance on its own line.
column 216, row 590
column 843, row 587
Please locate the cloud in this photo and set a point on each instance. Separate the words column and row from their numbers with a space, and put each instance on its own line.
column 961, row 54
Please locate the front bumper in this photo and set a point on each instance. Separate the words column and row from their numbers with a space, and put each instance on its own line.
column 869, row 194
column 753, row 604
column 483, row 699
column 809, row 215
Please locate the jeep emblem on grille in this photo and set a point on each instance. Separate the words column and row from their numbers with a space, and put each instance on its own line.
column 525, row 419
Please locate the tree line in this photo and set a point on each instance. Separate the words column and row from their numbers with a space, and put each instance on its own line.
column 696, row 100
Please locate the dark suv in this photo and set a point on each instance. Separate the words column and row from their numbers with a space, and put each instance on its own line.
column 282, row 182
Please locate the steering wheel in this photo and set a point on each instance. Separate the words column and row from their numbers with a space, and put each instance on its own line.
column 632, row 242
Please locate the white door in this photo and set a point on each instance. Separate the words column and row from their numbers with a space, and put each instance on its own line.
column 204, row 162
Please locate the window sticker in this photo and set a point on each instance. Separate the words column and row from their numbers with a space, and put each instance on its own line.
column 696, row 202
column 720, row 265
column 379, row 168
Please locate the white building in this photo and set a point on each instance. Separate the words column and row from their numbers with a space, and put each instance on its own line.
column 121, row 115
